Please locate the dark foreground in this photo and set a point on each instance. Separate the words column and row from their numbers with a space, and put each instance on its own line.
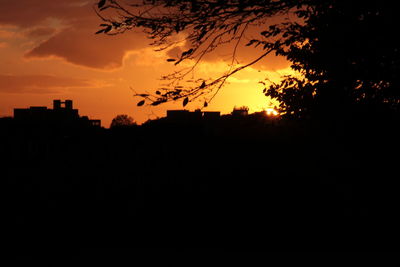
column 294, row 186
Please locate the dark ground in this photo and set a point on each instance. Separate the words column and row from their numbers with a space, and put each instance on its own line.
column 237, row 185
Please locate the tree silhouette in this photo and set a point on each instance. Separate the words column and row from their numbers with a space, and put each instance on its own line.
column 122, row 121
column 344, row 53
column 348, row 57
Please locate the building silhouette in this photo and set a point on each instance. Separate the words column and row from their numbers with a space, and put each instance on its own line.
column 62, row 114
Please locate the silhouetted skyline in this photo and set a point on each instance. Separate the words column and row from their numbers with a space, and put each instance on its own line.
column 59, row 115
column 63, row 113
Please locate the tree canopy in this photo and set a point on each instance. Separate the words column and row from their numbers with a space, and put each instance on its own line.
column 348, row 56
column 122, row 121
column 344, row 52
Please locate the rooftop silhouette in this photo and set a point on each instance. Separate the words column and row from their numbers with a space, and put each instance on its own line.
column 62, row 114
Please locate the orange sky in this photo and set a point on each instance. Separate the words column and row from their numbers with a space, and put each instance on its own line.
column 49, row 51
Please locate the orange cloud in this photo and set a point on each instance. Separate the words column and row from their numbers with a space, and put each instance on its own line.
column 40, row 32
column 39, row 84
column 7, row 34
column 81, row 46
column 244, row 54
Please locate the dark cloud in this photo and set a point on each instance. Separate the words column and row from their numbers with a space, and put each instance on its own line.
column 30, row 13
column 39, row 83
column 68, row 28
column 82, row 47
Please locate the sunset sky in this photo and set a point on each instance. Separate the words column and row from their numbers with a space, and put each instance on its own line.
column 49, row 51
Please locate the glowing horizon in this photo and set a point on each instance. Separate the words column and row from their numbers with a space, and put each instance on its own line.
column 55, row 54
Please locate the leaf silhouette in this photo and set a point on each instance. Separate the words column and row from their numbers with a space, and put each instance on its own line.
column 101, row 3
column 109, row 28
column 187, row 52
column 185, row 101
column 141, row 103
column 171, row 59
column 203, row 84
column 205, row 104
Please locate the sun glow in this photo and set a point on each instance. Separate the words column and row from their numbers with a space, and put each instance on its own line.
column 271, row 112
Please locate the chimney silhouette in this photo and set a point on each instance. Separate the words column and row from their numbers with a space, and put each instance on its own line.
column 68, row 104
column 56, row 104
